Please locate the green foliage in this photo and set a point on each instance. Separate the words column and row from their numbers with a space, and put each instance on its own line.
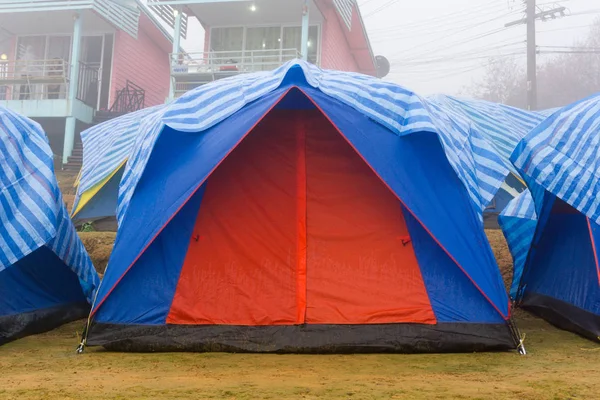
column 87, row 227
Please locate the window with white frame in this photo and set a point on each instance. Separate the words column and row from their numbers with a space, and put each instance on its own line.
column 262, row 47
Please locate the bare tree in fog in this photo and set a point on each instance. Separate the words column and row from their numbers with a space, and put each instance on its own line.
column 572, row 74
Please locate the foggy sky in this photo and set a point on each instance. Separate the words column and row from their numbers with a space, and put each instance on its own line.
column 441, row 46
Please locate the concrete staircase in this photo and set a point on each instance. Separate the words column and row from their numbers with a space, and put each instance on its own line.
column 75, row 161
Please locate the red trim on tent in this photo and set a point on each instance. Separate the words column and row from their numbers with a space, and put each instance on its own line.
column 594, row 248
column 186, row 200
column 301, row 221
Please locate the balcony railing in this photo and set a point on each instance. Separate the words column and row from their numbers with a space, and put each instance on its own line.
column 129, row 99
column 34, row 79
column 89, row 84
column 47, row 80
column 194, row 69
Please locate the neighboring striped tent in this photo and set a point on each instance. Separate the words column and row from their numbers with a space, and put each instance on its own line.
column 518, row 221
column 503, row 127
column 560, row 160
column 36, row 234
column 106, row 148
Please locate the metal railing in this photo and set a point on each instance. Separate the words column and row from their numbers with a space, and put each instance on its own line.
column 34, row 79
column 47, row 80
column 191, row 70
column 88, row 84
column 129, row 99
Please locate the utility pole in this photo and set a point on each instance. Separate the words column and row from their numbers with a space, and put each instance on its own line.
column 533, row 13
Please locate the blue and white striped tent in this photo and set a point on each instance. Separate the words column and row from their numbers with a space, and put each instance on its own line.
column 503, row 127
column 106, row 148
column 46, row 275
column 552, row 229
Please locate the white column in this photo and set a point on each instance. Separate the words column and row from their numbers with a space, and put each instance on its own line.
column 305, row 26
column 69, row 141
column 176, row 48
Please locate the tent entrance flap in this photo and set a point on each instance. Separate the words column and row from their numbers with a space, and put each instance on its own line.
column 293, row 218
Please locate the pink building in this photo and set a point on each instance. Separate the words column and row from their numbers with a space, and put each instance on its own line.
column 254, row 35
column 70, row 64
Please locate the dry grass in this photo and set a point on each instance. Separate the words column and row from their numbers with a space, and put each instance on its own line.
column 560, row 365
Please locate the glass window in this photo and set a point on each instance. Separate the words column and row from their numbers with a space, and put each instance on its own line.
column 263, row 47
column 30, row 51
column 226, row 39
column 59, row 47
column 292, row 37
column 226, row 45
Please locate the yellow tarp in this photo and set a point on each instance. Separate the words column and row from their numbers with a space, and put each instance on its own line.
column 90, row 193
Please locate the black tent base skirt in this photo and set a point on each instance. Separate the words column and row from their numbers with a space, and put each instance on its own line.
column 17, row 326
column 307, row 339
column 563, row 315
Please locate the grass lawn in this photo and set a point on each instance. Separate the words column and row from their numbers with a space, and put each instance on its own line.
column 560, row 365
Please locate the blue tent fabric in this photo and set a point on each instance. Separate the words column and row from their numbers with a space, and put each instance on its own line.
column 551, row 159
column 412, row 145
column 34, row 213
column 559, row 160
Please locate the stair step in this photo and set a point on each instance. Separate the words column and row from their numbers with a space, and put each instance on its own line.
column 72, row 166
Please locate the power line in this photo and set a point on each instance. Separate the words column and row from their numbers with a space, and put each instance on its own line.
column 565, row 28
column 459, row 43
column 570, row 52
column 459, row 31
column 445, row 19
column 383, row 7
column 460, row 56
column 409, row 34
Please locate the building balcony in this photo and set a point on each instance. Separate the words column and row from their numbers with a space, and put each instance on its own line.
column 39, row 88
column 195, row 69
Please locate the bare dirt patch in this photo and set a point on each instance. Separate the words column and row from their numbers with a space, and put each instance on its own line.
column 99, row 246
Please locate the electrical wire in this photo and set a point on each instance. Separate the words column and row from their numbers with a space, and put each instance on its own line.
column 457, row 56
column 464, row 29
column 565, row 28
column 408, row 34
column 445, row 20
column 383, row 7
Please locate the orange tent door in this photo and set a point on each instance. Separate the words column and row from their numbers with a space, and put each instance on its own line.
column 294, row 228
